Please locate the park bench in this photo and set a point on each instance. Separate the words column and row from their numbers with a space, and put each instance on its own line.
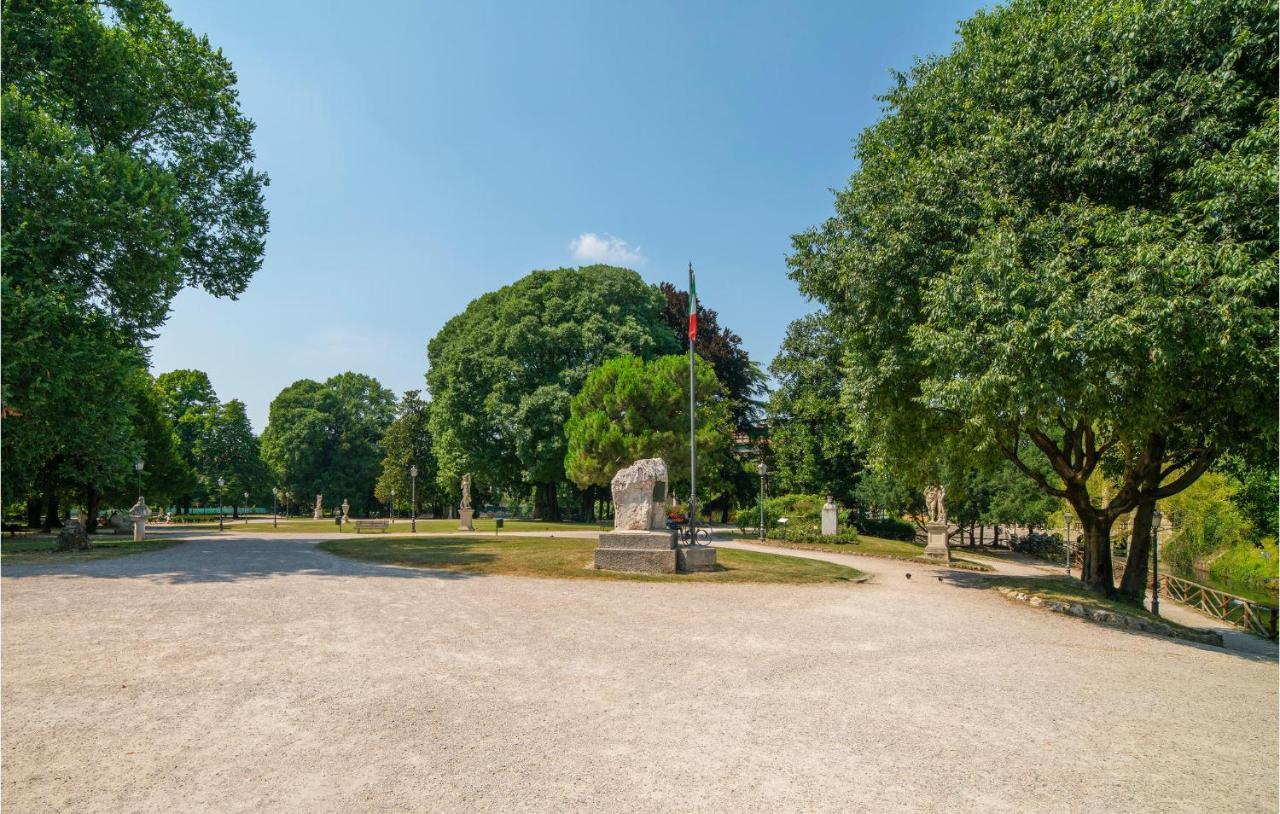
column 380, row 525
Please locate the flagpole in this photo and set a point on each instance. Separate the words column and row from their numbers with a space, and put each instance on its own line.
column 693, row 417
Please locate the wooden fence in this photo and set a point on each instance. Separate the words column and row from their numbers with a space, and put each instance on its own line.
column 1252, row 616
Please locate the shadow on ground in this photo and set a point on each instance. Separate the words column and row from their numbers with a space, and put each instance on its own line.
column 1236, row 643
column 227, row 560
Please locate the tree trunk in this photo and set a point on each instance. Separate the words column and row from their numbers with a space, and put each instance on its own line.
column 1095, row 570
column 546, row 503
column 90, row 510
column 33, row 512
column 589, row 504
column 1133, row 584
column 51, row 519
column 235, row 512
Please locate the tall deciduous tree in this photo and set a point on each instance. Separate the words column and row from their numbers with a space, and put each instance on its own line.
column 812, row 445
column 231, row 451
column 407, row 443
column 326, row 438
column 191, row 406
column 1060, row 242
column 501, row 374
column 127, row 174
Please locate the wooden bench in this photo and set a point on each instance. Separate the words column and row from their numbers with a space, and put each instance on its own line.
column 380, row 525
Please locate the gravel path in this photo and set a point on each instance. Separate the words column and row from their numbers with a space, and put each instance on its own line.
column 243, row 674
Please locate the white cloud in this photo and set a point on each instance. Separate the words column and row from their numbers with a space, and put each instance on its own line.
column 589, row 247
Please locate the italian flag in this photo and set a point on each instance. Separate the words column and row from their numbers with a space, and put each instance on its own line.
column 693, row 307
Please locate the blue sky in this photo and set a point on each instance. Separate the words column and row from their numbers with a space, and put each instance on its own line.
column 421, row 154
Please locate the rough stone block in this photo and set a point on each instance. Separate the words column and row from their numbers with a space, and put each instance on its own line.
column 639, row 495
column 651, row 540
column 693, row 558
column 654, row 561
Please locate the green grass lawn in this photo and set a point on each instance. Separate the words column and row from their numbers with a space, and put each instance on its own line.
column 38, row 550
column 569, row 558
column 401, row 526
column 874, row 547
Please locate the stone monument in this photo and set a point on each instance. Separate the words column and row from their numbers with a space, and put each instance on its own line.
column 319, row 513
column 119, row 523
column 72, row 537
column 830, row 518
column 139, row 514
column 936, row 541
column 465, row 512
column 640, row 540
column 346, row 511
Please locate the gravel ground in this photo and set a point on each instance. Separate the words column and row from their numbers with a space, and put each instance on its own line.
column 241, row 674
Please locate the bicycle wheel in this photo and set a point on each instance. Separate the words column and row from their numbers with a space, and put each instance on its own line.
column 702, row 537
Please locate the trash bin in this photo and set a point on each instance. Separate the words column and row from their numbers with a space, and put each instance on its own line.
column 497, row 523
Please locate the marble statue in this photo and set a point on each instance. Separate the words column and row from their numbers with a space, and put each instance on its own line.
column 466, row 491
column 934, row 505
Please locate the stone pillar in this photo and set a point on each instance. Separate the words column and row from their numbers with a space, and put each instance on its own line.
column 830, row 518
column 464, row 519
column 936, row 547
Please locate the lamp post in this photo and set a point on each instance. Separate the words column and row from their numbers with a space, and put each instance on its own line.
column 391, row 512
column 287, row 497
column 763, row 469
column 221, row 513
column 246, row 507
column 1066, row 516
column 137, row 467
column 413, row 510
column 275, row 508
column 1156, row 518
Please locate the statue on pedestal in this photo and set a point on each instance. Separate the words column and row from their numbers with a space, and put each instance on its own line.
column 139, row 514
column 936, row 541
column 346, row 511
column 934, row 505
column 465, row 512
column 319, row 513
column 466, row 492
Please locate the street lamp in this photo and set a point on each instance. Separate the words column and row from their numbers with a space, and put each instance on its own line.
column 221, row 483
column 137, row 467
column 1066, row 516
column 246, row 507
column 413, row 510
column 391, row 513
column 1156, row 518
column 288, row 496
column 275, row 508
column 763, row 469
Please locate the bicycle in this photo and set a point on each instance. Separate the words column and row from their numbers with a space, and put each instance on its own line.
column 698, row 537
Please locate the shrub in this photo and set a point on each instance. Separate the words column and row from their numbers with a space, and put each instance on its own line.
column 1039, row 544
column 890, row 528
column 810, row 533
column 1205, row 519
column 796, row 508
column 1248, row 564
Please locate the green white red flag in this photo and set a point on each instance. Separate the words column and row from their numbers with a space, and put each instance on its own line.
column 693, row 307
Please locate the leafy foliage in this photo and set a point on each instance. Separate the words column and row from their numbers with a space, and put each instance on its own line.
column 326, row 438
column 503, row 372
column 407, row 443
column 742, row 379
column 1060, row 242
column 630, row 409
column 809, row 433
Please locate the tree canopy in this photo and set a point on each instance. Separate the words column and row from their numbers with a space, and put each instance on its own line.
column 407, row 443
column 1060, row 243
column 502, row 373
column 630, row 409
column 811, row 443
column 326, row 438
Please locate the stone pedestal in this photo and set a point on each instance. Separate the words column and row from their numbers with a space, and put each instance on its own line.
column 464, row 519
column 139, row 529
column 655, row 552
column 936, row 543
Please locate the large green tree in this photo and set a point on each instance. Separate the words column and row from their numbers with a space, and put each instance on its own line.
column 502, row 373
column 407, row 443
column 191, row 407
column 812, row 446
column 230, row 451
column 126, row 173
column 325, row 438
column 1060, row 244
column 630, row 409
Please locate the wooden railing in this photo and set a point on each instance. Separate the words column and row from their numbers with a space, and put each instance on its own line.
column 1252, row 616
